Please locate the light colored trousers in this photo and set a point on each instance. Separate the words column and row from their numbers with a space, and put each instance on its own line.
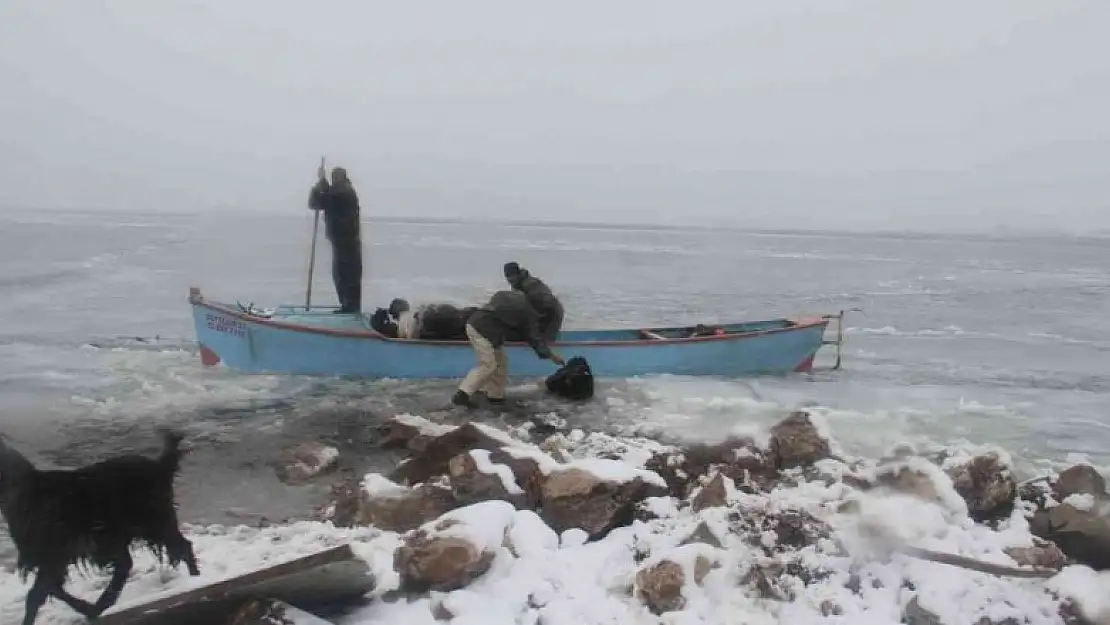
column 491, row 374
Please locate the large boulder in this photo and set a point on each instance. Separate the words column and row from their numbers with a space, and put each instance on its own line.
column 530, row 536
column 449, row 553
column 597, row 496
column 1080, row 479
column 714, row 494
column 908, row 480
column 1084, row 535
column 380, row 503
column 662, row 584
column 435, row 454
column 737, row 458
column 1041, row 554
column 342, row 506
column 444, row 563
column 300, row 463
column 404, row 510
column 410, row 432
column 476, row 477
column 988, row 486
column 797, row 442
column 527, row 468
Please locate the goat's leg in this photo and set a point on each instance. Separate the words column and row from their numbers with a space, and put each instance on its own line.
column 45, row 586
column 121, row 568
column 82, row 607
column 181, row 550
column 36, row 597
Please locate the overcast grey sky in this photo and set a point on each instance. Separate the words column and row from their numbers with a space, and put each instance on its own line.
column 781, row 113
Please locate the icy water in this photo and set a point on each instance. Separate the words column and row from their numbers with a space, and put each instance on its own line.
column 986, row 340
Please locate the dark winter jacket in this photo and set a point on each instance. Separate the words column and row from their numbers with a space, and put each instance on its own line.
column 508, row 314
column 341, row 210
column 539, row 294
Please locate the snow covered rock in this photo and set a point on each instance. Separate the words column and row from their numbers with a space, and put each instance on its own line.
column 663, row 584
column 1042, row 554
column 597, row 496
column 449, row 553
column 475, row 476
column 714, row 494
column 1084, row 535
column 409, row 432
column 1079, row 479
column 302, row 462
column 988, row 486
column 380, row 503
column 529, row 536
column 914, row 614
column 439, row 562
column 660, row 586
column 908, row 480
column 704, row 534
column 738, row 458
column 433, row 455
column 797, row 442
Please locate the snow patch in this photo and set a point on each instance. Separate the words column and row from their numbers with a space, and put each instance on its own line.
column 377, row 485
column 424, row 426
column 1080, row 501
column 485, row 465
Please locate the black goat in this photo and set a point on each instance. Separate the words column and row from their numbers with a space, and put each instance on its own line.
column 90, row 517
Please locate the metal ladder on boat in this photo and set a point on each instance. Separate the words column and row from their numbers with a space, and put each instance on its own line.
column 839, row 340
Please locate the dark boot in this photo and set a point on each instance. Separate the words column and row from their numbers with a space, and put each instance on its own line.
column 493, row 401
column 462, row 399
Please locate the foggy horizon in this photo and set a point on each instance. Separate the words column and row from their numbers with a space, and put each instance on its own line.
column 804, row 115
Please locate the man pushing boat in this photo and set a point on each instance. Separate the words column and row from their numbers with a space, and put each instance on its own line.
column 507, row 314
column 339, row 203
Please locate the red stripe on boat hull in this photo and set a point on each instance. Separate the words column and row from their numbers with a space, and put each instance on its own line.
column 208, row 357
column 806, row 365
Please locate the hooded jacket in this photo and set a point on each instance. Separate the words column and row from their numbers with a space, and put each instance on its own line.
column 508, row 314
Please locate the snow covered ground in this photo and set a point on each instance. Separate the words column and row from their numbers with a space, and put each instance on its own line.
column 733, row 563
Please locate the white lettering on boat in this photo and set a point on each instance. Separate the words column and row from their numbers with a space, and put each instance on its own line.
column 225, row 325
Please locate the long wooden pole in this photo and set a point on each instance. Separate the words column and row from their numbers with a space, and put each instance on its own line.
column 312, row 251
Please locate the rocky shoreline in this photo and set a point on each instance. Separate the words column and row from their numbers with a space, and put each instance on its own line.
column 570, row 487
column 542, row 524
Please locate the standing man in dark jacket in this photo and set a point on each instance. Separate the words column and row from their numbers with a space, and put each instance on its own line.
column 507, row 314
column 541, row 298
column 339, row 202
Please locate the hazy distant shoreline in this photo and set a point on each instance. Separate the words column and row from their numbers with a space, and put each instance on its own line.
column 1098, row 237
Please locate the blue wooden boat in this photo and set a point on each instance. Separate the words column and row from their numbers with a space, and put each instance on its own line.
column 296, row 340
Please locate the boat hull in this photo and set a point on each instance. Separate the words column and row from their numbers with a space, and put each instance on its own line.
column 320, row 343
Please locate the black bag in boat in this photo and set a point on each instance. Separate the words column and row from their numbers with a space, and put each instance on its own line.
column 574, row 380
column 442, row 322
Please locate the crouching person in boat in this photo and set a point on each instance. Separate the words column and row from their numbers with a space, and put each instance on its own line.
column 339, row 202
column 408, row 320
column 541, row 298
column 508, row 313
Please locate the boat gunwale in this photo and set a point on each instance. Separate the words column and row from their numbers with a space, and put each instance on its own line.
column 802, row 324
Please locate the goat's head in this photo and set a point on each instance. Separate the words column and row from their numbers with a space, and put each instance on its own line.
column 13, row 469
